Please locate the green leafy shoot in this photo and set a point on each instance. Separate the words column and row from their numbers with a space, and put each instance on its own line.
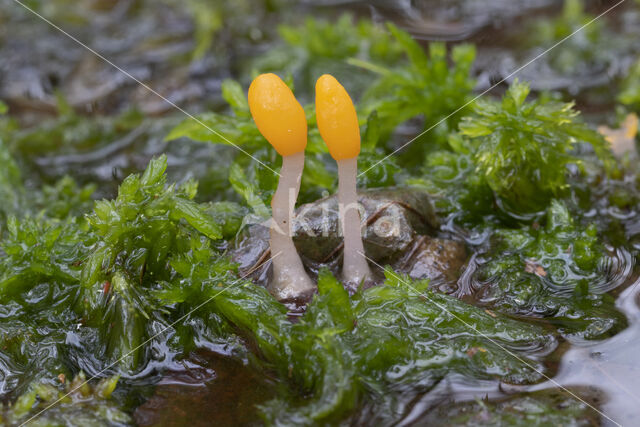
column 319, row 46
column 65, row 198
column 88, row 404
column 341, row 39
column 573, row 17
column 12, row 191
column 239, row 128
column 73, row 133
column 584, row 46
column 427, row 87
column 208, row 21
column 630, row 89
column 136, row 234
column 39, row 250
column 522, row 149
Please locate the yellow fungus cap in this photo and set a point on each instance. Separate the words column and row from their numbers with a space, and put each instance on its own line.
column 279, row 116
column 631, row 125
column 337, row 118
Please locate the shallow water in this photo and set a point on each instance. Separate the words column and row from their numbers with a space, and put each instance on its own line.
column 211, row 390
column 609, row 368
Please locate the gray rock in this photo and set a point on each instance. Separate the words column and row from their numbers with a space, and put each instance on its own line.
column 399, row 229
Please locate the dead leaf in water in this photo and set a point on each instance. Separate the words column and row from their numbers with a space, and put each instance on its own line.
column 535, row 268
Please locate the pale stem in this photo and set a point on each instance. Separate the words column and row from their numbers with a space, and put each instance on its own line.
column 354, row 267
column 290, row 280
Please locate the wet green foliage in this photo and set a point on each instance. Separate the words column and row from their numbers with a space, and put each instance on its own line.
column 553, row 271
column 549, row 407
column 39, row 250
column 11, row 191
column 579, row 51
column 630, row 91
column 65, row 198
column 136, row 233
column 60, row 200
column 58, row 276
column 514, row 154
column 319, row 46
column 79, row 403
column 428, row 86
column 39, row 274
column 522, row 149
column 397, row 338
column 141, row 263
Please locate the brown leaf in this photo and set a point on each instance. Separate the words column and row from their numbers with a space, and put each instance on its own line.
column 533, row 267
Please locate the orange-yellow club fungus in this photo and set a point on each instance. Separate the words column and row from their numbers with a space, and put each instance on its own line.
column 338, row 125
column 281, row 119
column 622, row 140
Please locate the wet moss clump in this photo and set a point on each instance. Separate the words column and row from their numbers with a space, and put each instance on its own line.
column 629, row 94
column 515, row 155
column 79, row 403
column 111, row 290
column 397, row 338
column 558, row 270
column 549, row 407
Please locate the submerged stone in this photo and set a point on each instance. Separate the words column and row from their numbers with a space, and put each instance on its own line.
column 399, row 228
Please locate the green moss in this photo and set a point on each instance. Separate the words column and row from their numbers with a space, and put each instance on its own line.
column 537, row 139
column 72, row 132
column 543, row 408
column 584, row 40
column 319, row 46
column 40, row 250
column 76, row 404
column 396, row 338
column 514, row 155
column 629, row 94
column 146, row 260
column 555, row 272
column 432, row 86
column 11, row 188
column 65, row 198
column 336, row 40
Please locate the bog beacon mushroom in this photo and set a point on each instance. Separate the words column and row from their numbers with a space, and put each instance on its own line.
column 338, row 125
column 282, row 121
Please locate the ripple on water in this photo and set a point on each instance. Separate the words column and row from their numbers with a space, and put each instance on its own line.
column 609, row 365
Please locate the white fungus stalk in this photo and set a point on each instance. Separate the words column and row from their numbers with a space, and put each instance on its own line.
column 354, row 268
column 282, row 121
column 290, row 280
column 338, row 125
